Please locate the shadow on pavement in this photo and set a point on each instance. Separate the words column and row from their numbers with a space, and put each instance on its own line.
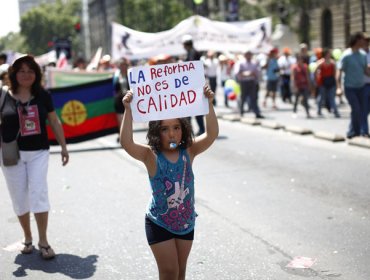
column 72, row 266
column 222, row 137
column 88, row 150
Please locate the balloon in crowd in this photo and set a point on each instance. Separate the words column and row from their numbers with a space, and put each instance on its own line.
column 337, row 53
column 232, row 89
column 312, row 66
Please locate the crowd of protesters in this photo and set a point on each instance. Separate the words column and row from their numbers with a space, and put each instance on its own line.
column 322, row 75
column 325, row 76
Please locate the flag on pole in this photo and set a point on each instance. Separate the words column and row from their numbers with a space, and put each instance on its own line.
column 86, row 111
column 94, row 63
column 62, row 61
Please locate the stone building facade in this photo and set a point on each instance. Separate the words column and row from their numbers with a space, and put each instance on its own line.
column 101, row 14
column 332, row 21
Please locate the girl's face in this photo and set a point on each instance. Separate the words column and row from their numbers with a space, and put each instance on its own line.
column 170, row 134
column 26, row 76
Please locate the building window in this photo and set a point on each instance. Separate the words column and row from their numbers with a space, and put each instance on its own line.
column 305, row 28
column 327, row 29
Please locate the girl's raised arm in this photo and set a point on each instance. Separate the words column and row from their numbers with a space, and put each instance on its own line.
column 205, row 140
column 138, row 151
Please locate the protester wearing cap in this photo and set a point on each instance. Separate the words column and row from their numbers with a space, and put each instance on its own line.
column 285, row 63
column 272, row 77
column 248, row 73
column 105, row 63
column 210, row 70
column 326, row 82
column 26, row 110
column 191, row 52
column 224, row 70
column 303, row 52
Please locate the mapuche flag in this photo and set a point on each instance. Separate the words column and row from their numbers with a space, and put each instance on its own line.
column 86, row 111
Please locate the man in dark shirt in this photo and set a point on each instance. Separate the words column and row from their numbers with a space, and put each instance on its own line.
column 193, row 54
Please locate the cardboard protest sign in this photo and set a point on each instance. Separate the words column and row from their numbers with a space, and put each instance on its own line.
column 167, row 91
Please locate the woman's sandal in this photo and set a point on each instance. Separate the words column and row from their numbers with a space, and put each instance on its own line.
column 28, row 248
column 46, row 252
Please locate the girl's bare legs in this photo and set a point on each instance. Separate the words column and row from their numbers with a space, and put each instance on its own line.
column 183, row 251
column 171, row 257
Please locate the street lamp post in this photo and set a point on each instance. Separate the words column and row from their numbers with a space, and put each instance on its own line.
column 363, row 15
column 221, row 4
column 86, row 28
column 347, row 20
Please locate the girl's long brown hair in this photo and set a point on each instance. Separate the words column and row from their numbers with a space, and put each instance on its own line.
column 153, row 135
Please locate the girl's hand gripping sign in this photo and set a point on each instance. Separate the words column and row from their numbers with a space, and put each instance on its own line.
column 168, row 91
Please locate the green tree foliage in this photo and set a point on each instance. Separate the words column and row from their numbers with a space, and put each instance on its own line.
column 152, row 16
column 13, row 42
column 47, row 22
column 250, row 12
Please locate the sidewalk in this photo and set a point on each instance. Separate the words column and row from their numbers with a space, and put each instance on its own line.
column 326, row 127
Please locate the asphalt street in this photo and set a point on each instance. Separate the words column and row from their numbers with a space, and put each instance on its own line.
column 264, row 197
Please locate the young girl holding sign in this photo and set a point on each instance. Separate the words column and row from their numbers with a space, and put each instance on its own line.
column 168, row 157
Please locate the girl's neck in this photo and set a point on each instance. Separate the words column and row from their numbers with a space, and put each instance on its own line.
column 171, row 155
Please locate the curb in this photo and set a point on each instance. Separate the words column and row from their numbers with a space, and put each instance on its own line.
column 271, row 124
column 232, row 117
column 360, row 142
column 298, row 130
column 332, row 137
column 329, row 136
column 250, row 121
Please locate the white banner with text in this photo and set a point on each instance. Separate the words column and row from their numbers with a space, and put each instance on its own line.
column 254, row 35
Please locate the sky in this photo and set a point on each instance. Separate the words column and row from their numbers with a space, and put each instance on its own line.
column 9, row 19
